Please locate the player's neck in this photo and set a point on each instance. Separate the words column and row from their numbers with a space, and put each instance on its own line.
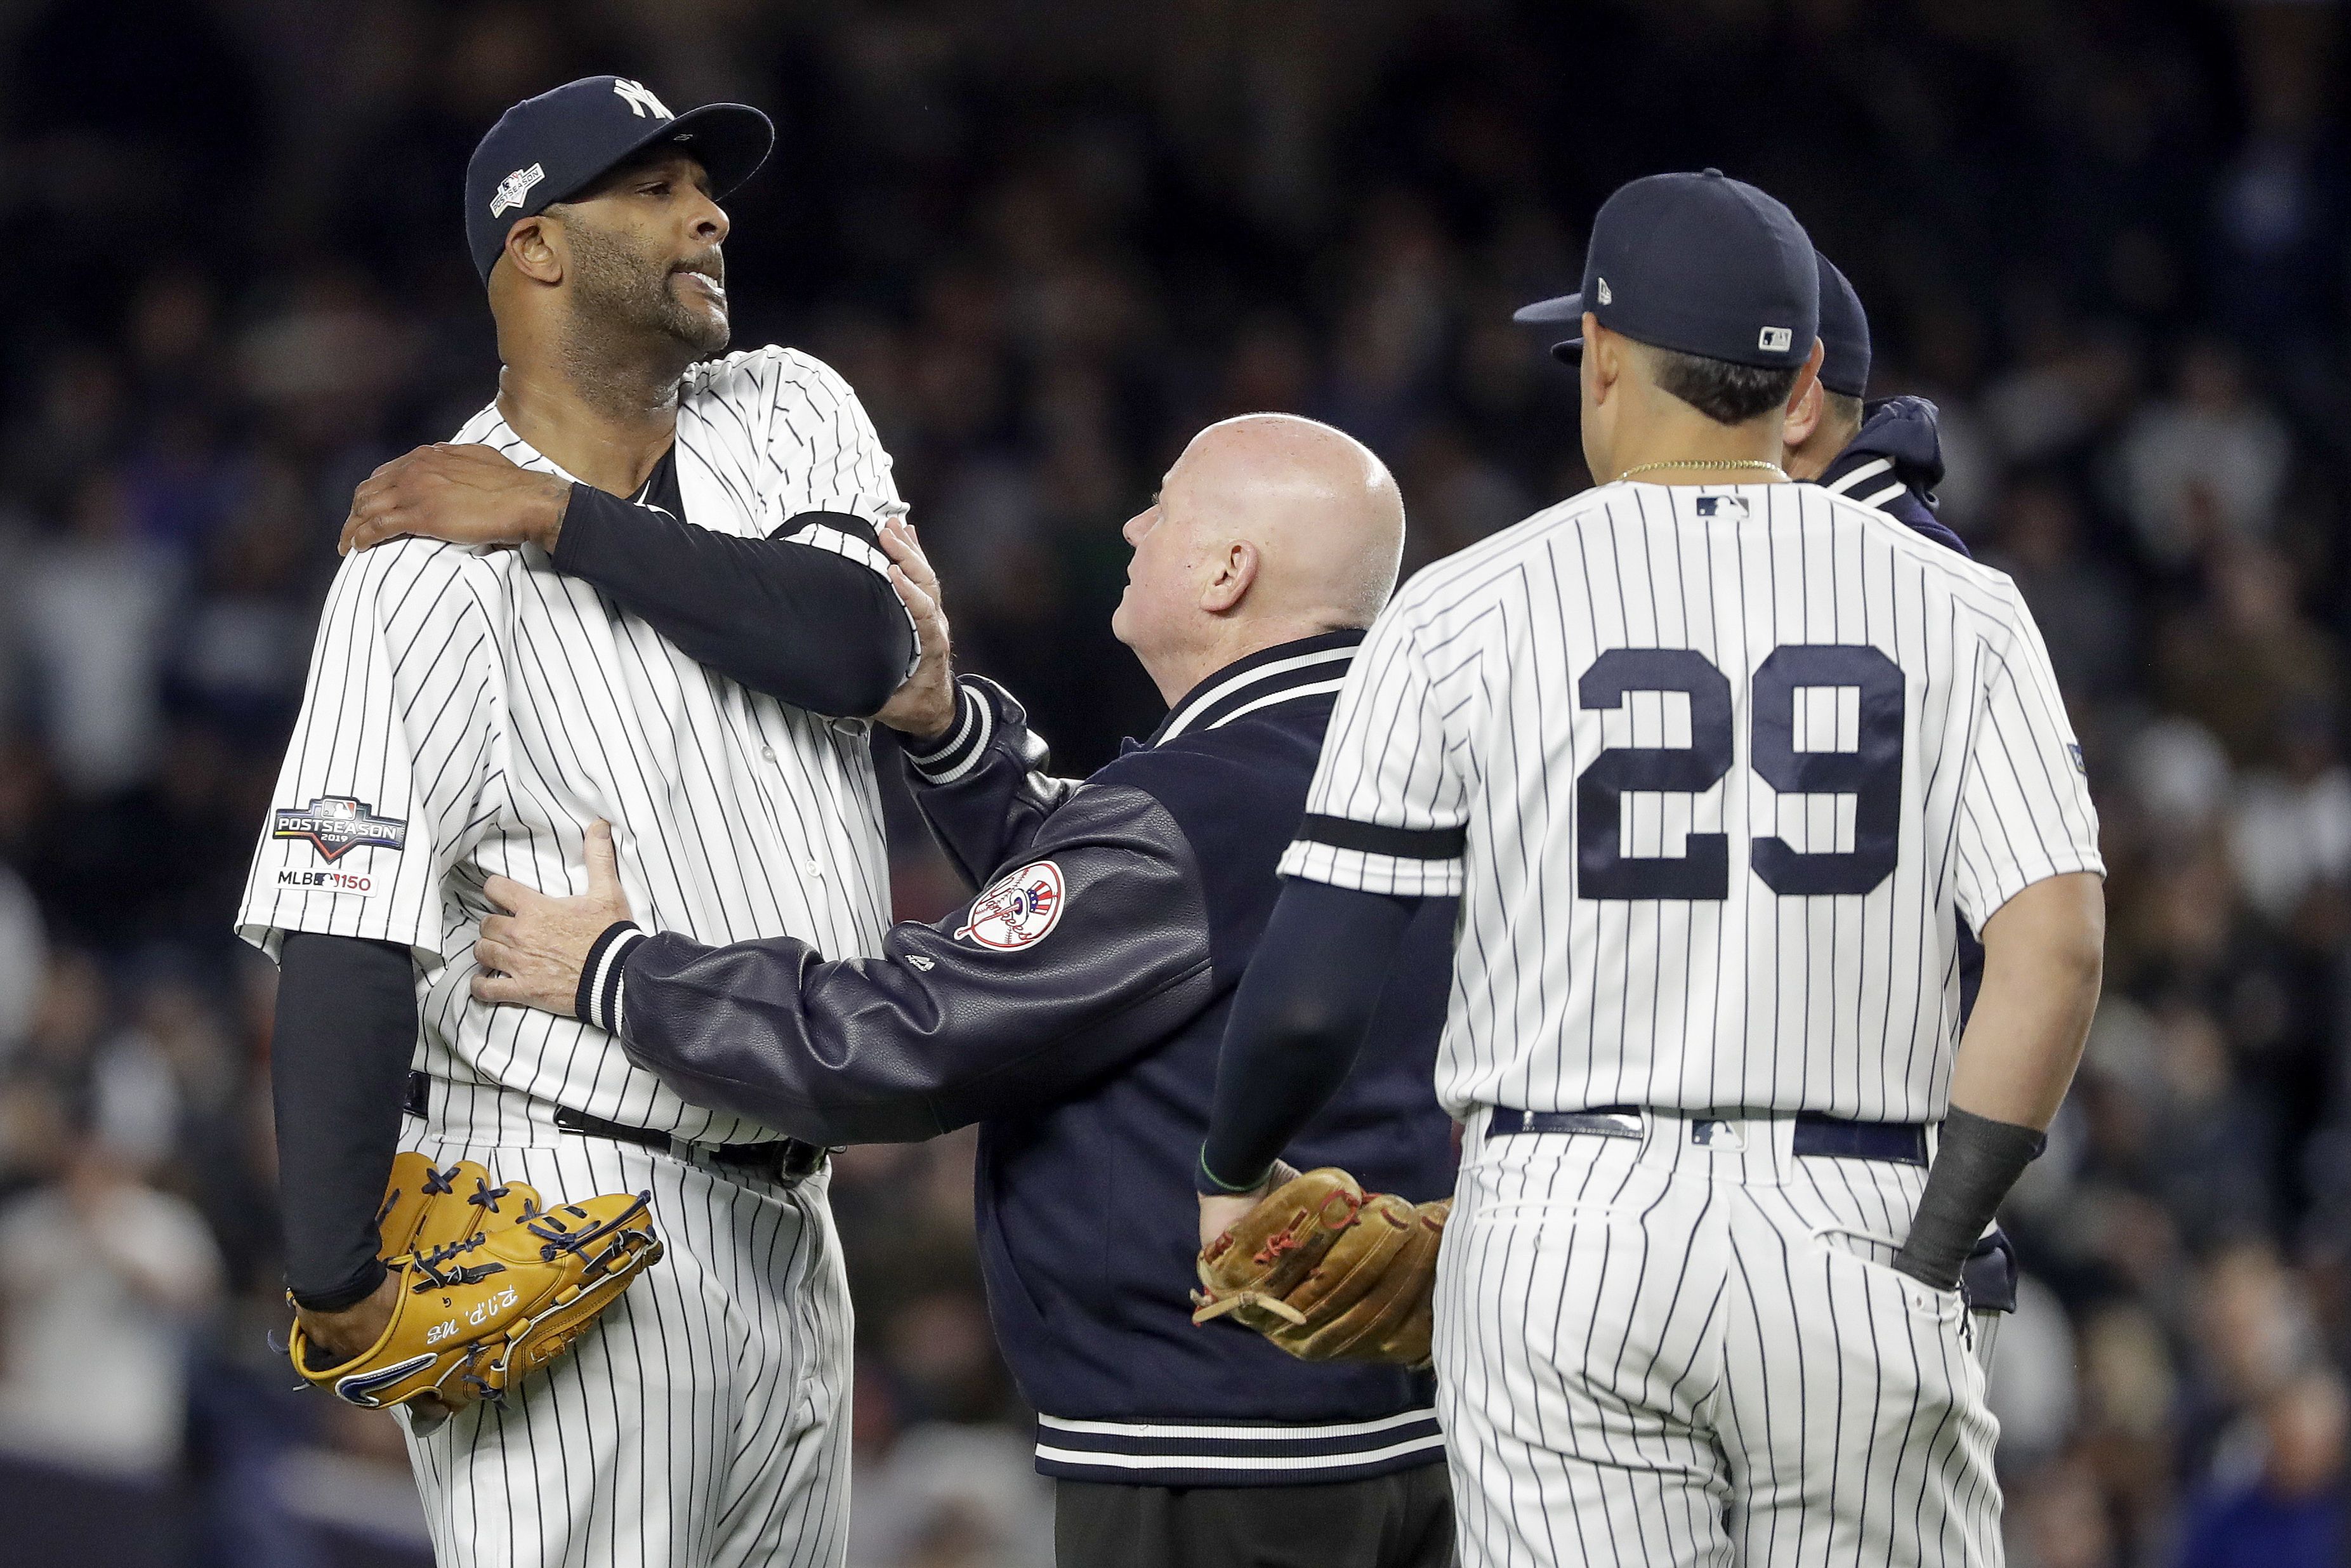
column 1686, row 438
column 609, row 432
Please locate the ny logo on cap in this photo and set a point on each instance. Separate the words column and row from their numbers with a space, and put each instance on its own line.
column 1775, row 340
column 640, row 100
column 515, row 188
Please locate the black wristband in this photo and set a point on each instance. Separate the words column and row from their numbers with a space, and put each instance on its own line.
column 345, row 1297
column 1977, row 1162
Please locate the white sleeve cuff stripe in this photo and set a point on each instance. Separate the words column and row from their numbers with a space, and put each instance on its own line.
column 598, row 1001
column 963, row 753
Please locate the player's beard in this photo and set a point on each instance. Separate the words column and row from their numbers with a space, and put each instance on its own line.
column 617, row 290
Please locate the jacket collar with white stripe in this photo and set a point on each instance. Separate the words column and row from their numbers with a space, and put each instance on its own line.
column 1287, row 672
column 1898, row 447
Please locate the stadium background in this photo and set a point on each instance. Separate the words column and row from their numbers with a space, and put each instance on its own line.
column 1045, row 241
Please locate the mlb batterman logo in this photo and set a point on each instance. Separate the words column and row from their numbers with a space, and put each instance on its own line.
column 1019, row 910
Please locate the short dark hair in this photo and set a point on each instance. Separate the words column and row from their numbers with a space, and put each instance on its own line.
column 1724, row 392
column 1843, row 408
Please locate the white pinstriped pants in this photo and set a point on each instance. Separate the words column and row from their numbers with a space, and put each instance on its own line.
column 702, row 1422
column 1660, row 1351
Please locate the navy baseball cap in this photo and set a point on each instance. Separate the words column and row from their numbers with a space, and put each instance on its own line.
column 1845, row 335
column 547, row 149
column 1698, row 263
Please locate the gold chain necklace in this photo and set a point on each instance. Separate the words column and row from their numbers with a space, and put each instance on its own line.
column 1707, row 463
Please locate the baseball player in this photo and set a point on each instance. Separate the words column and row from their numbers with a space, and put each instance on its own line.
column 1713, row 761
column 1074, row 1009
column 470, row 710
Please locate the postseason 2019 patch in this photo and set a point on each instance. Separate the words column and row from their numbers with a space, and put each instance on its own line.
column 337, row 824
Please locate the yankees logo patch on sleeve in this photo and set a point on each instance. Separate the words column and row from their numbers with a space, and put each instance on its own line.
column 1017, row 911
column 337, row 824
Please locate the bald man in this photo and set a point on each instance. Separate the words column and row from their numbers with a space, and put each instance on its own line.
column 1074, row 1009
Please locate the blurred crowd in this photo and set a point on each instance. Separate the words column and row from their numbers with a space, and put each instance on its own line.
column 1045, row 242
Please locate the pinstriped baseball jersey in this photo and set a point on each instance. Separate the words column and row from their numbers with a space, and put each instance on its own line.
column 470, row 712
column 1710, row 768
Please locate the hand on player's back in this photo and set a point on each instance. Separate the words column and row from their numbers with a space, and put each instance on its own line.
column 532, row 954
column 925, row 706
column 463, row 493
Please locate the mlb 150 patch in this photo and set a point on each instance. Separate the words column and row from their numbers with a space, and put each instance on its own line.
column 312, row 880
column 337, row 824
column 1016, row 910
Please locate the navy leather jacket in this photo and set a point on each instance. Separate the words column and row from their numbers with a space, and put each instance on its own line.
column 1075, row 1010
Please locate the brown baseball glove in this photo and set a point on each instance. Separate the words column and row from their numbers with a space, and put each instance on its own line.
column 1328, row 1271
column 425, row 1208
column 491, row 1285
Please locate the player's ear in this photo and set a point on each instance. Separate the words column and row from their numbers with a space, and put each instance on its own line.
column 1807, row 388
column 532, row 250
column 1237, row 567
column 1604, row 359
column 1805, row 403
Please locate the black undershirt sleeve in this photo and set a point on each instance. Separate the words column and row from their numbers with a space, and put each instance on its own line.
column 1298, row 1020
column 816, row 628
column 339, row 1061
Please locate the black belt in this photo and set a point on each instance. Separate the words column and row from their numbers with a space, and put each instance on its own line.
column 783, row 1159
column 1817, row 1135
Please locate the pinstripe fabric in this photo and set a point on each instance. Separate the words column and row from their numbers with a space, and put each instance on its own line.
column 496, row 708
column 488, row 709
column 704, row 1418
column 1657, row 1353
column 1713, row 771
column 1463, row 716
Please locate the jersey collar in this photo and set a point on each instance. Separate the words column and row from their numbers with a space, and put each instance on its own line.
column 1287, row 672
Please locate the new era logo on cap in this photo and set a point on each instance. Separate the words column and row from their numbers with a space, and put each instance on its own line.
column 1607, row 295
column 640, row 100
column 514, row 188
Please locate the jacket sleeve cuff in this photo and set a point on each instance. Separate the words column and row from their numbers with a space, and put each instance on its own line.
column 598, row 1003
column 959, row 751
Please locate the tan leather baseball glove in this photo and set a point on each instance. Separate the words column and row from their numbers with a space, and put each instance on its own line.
column 491, row 1286
column 426, row 1208
column 1328, row 1271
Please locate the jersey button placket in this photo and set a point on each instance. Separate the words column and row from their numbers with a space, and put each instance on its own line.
column 808, row 864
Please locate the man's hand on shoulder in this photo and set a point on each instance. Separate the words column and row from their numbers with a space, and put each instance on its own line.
column 532, row 954
column 924, row 706
column 463, row 494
